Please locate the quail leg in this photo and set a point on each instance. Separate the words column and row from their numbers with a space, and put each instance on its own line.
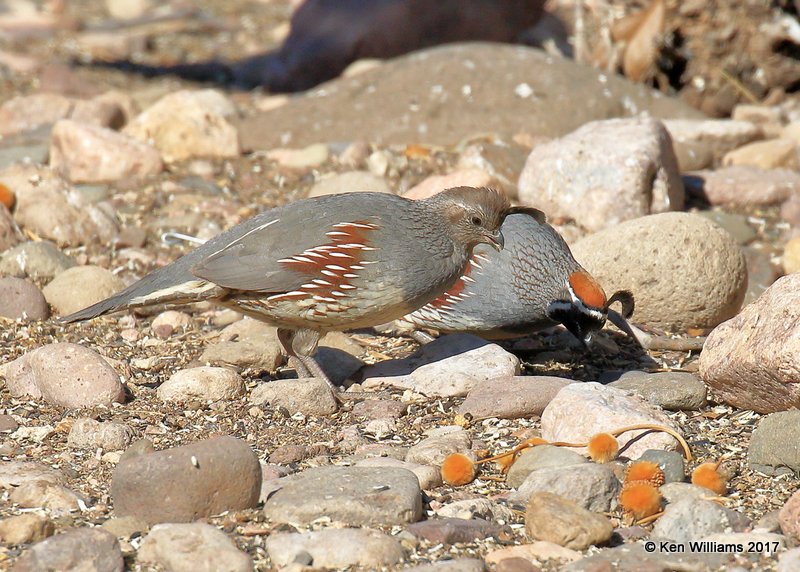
column 300, row 345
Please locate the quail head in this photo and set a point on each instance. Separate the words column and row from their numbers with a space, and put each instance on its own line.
column 534, row 283
column 328, row 263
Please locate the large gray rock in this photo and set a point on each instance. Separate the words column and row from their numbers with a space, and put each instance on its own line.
column 420, row 98
column 358, row 496
column 692, row 519
column 753, row 360
column 604, row 173
column 40, row 260
column 773, row 446
column 193, row 481
column 592, row 486
column 683, row 270
column 335, row 548
column 79, row 549
column 671, row 390
column 510, row 398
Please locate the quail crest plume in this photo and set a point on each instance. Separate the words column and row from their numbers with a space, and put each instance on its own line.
column 534, row 283
column 327, row 263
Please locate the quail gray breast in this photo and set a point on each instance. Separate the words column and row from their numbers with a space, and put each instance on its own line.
column 534, row 283
column 328, row 263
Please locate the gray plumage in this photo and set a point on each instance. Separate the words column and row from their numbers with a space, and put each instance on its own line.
column 522, row 289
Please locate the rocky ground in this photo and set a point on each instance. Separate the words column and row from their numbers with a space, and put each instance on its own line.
column 179, row 439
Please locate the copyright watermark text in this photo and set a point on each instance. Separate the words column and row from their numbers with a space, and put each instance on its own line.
column 707, row 546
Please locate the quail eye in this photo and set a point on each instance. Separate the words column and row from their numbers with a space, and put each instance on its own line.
column 477, row 221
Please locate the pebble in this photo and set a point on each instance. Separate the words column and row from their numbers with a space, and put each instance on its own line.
column 54, row 211
column 380, row 409
column 356, row 496
column 589, row 485
column 186, row 124
column 429, row 477
column 200, row 479
column 691, row 519
column 761, row 273
column 25, row 528
column 789, row 561
column 555, row 519
column 536, row 552
column 773, row 445
column 684, row 270
column 309, row 396
column 541, row 457
column 86, row 153
column 167, row 323
column 450, row 531
column 79, row 287
column 751, row 360
column 717, row 135
column 205, row 383
column 125, row 526
column 459, row 178
column 678, row 491
column 581, row 410
column 40, row 260
column 312, row 156
column 8, row 424
column 192, row 547
column 790, row 210
column 349, row 182
column 22, row 300
column 15, row 473
column 127, row 9
column 64, row 374
column 9, row 234
column 789, row 517
column 335, row 548
column 434, row 449
column 26, row 112
column 636, row 176
column 791, row 256
column 735, row 224
column 769, row 154
column 745, row 185
column 246, row 343
column 449, row 366
column 671, row 390
column 455, row 565
column 671, row 463
column 50, row 496
column 87, row 433
column 90, row 549
column 482, row 508
column 512, row 398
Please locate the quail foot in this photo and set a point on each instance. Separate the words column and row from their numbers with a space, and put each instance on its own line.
column 534, row 283
column 328, row 263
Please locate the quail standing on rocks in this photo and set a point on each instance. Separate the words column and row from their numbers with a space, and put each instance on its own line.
column 328, row 263
column 534, row 283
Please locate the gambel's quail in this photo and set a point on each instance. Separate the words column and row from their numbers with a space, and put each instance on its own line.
column 328, row 263
column 534, row 283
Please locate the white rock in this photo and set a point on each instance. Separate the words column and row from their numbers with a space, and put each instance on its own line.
column 336, row 548
column 581, row 410
column 205, row 383
column 194, row 547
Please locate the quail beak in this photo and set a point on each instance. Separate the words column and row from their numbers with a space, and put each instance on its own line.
column 496, row 240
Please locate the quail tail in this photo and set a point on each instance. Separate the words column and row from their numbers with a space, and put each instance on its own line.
column 172, row 284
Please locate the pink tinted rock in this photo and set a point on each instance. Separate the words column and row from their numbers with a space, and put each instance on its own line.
column 511, row 398
column 64, row 374
column 21, row 299
column 748, row 185
column 92, row 154
column 437, row 183
column 789, row 517
column 752, row 361
column 769, row 154
column 580, row 410
column 604, row 173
